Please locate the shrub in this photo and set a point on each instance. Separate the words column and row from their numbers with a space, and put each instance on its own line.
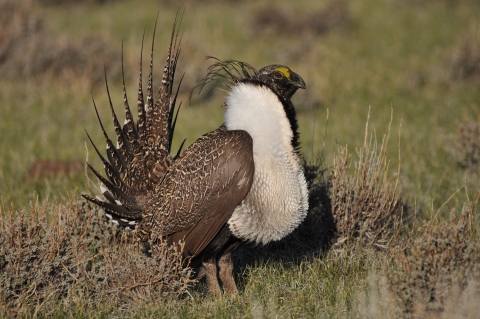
column 53, row 169
column 60, row 2
column 435, row 265
column 366, row 206
column 74, row 251
column 466, row 63
column 466, row 147
column 333, row 15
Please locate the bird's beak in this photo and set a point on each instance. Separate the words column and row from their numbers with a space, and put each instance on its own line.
column 297, row 80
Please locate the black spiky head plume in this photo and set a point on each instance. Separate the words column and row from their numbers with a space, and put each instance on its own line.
column 280, row 78
column 225, row 73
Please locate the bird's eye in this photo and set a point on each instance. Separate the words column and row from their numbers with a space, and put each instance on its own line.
column 278, row 75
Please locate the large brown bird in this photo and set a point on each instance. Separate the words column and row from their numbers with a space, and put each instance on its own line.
column 242, row 182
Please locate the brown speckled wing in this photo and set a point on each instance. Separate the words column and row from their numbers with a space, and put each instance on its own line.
column 202, row 189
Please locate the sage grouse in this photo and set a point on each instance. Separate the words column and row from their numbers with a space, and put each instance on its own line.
column 242, row 182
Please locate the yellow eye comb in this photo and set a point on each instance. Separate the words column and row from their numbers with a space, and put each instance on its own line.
column 285, row 71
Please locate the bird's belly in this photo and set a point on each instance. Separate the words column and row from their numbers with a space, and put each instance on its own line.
column 276, row 204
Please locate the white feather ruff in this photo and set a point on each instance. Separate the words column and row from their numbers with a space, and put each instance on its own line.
column 278, row 200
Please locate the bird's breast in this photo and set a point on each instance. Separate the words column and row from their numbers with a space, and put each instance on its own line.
column 277, row 202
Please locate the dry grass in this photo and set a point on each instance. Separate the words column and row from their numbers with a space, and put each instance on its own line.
column 366, row 205
column 70, row 253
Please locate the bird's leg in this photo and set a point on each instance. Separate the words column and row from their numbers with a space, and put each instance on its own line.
column 200, row 272
column 226, row 273
column 210, row 267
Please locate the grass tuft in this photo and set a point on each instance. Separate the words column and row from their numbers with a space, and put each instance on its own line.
column 438, row 264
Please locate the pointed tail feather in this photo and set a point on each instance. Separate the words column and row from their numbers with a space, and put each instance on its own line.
column 117, row 213
column 142, row 155
column 161, row 116
column 129, row 127
column 115, row 158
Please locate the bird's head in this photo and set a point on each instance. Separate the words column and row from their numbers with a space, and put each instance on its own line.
column 281, row 79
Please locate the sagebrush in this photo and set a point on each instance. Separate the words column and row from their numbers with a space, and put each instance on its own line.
column 366, row 203
column 52, row 255
column 436, row 265
column 466, row 61
column 335, row 14
column 466, row 146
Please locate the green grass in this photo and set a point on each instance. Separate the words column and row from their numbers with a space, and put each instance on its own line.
column 393, row 57
column 320, row 289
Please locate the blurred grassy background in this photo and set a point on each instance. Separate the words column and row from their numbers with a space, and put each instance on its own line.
column 386, row 56
column 414, row 64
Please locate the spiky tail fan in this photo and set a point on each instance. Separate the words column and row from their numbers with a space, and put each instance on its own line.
column 140, row 160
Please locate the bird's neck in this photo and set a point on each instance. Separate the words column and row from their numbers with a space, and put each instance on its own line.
column 257, row 110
